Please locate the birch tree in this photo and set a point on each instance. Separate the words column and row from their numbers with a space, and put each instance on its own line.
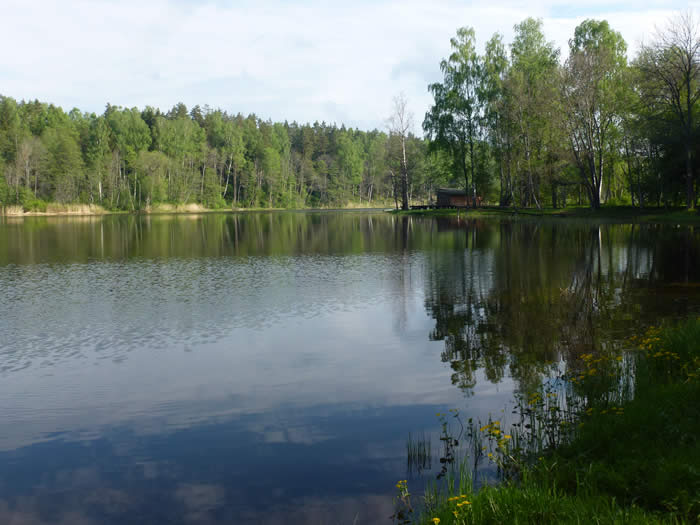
column 400, row 124
column 593, row 94
column 453, row 123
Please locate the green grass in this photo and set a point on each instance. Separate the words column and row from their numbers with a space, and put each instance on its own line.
column 539, row 503
column 649, row 456
column 624, row 214
column 632, row 456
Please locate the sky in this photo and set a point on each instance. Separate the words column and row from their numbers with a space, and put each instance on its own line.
column 306, row 60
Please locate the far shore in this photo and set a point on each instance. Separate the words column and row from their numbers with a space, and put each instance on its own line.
column 82, row 210
column 621, row 214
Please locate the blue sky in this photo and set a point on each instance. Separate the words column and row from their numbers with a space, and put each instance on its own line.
column 302, row 60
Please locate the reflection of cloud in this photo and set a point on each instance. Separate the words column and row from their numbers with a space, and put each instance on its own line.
column 295, row 435
column 297, row 338
column 368, row 509
column 199, row 499
column 79, row 477
column 109, row 501
column 215, row 473
column 27, row 514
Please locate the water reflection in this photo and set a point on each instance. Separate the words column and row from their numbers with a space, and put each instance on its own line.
column 217, row 472
column 522, row 295
column 268, row 368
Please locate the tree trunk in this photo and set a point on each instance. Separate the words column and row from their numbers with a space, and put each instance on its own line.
column 690, row 189
column 394, row 189
column 500, row 183
column 471, row 164
column 404, row 176
column 466, row 175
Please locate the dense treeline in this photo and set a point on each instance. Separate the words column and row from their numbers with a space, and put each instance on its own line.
column 525, row 128
column 131, row 159
column 515, row 126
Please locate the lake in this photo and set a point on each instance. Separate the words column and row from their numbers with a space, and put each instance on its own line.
column 269, row 367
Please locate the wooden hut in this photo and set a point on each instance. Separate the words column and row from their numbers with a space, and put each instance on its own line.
column 451, row 197
column 454, row 198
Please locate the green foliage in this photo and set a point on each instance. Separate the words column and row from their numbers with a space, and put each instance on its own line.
column 616, row 442
column 131, row 159
column 526, row 130
column 595, row 94
column 32, row 204
column 649, row 451
column 5, row 192
column 10, row 128
column 62, row 165
column 666, row 73
column 533, row 502
column 512, row 126
column 130, row 134
column 452, row 123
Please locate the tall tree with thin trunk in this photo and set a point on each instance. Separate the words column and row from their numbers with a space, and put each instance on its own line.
column 453, row 123
column 670, row 68
column 400, row 124
column 497, row 112
column 594, row 96
column 531, row 88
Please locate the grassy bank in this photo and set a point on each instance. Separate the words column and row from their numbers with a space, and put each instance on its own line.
column 53, row 209
column 615, row 440
column 625, row 214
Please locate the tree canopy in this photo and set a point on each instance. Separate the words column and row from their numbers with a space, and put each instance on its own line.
column 131, row 159
column 516, row 125
column 592, row 127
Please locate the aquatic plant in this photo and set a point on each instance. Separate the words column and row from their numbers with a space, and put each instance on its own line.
column 418, row 454
column 613, row 439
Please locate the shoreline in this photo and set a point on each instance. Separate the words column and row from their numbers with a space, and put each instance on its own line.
column 187, row 209
column 619, row 214
column 615, row 214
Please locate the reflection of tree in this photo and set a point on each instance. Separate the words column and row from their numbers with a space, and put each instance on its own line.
column 69, row 239
column 456, row 287
column 514, row 297
column 403, row 227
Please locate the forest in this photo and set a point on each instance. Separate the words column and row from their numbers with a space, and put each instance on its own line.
column 518, row 125
column 130, row 159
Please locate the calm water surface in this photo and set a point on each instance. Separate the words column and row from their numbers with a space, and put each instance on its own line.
column 268, row 368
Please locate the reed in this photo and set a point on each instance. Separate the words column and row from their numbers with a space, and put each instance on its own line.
column 614, row 439
column 418, row 454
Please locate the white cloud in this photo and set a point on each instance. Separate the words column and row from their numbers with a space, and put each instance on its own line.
column 306, row 60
